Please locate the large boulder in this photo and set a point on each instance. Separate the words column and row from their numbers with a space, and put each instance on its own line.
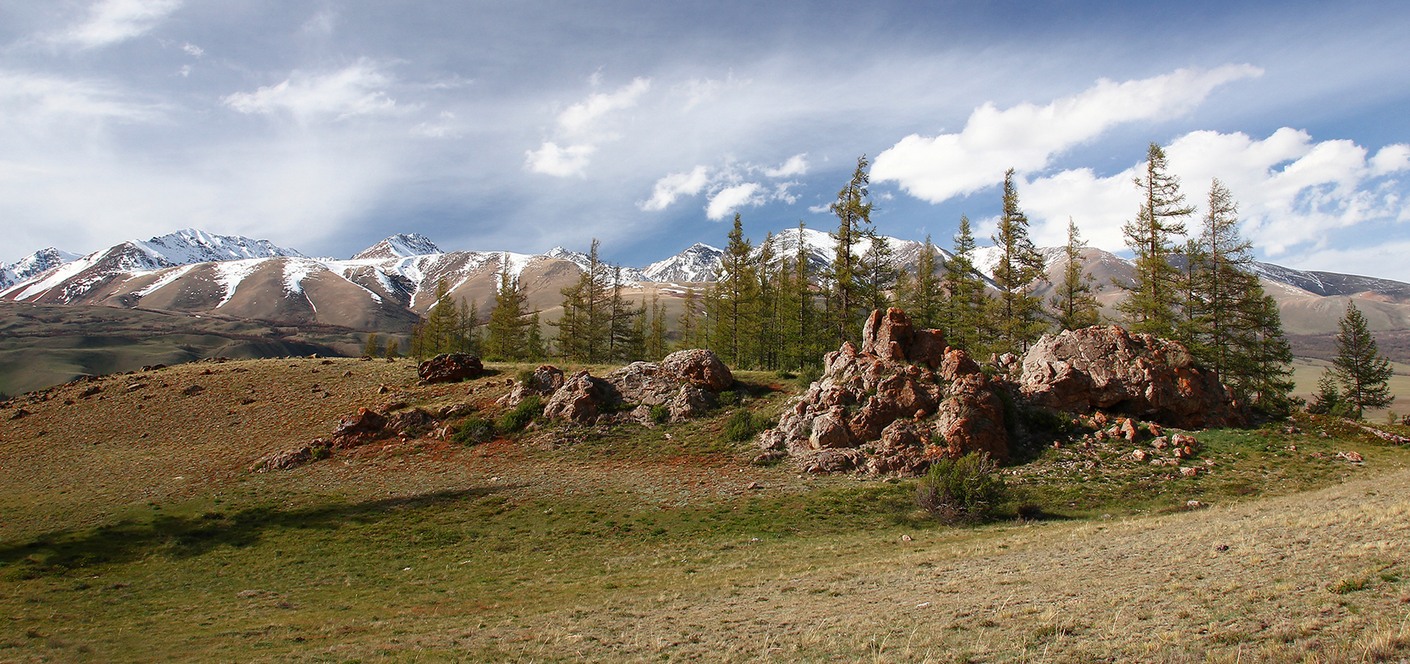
column 451, row 368
column 896, row 403
column 1106, row 368
column 686, row 384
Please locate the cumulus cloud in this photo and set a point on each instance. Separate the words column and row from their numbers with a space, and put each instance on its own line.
column 580, row 124
column 1027, row 137
column 675, row 185
column 795, row 166
column 1292, row 191
column 357, row 90
column 114, row 21
column 550, row 159
column 193, row 50
column 730, row 199
column 580, row 117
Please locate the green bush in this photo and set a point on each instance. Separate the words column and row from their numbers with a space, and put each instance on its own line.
column 524, row 413
column 473, row 431
column 660, row 413
column 964, row 490
column 743, row 425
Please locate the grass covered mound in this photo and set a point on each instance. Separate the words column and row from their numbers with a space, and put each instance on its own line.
column 134, row 531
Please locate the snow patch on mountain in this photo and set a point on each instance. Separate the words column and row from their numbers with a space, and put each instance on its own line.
column 166, row 277
column 698, row 262
column 189, row 246
column 401, row 245
column 33, row 265
column 229, row 275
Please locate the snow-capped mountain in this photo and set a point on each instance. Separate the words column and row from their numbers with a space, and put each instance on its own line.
column 401, row 245
column 698, row 262
column 33, row 265
column 189, row 246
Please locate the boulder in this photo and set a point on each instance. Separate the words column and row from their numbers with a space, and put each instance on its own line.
column 365, row 426
column 542, row 382
column 1106, row 368
column 887, row 400
column 292, row 458
column 699, row 367
column 451, row 368
column 686, row 383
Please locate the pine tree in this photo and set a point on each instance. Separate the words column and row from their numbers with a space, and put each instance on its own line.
column 768, row 273
column 1075, row 302
column 1017, row 273
column 853, row 210
column 441, row 330
column 966, row 301
column 1150, row 306
column 508, row 325
column 373, row 347
column 626, row 340
column 1359, row 367
column 393, row 349
column 1264, row 375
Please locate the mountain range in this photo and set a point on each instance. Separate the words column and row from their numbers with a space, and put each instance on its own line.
column 388, row 285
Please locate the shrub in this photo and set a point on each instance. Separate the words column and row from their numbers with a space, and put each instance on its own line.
column 964, row 490
column 524, row 413
column 728, row 398
column 660, row 413
column 743, row 424
column 473, row 431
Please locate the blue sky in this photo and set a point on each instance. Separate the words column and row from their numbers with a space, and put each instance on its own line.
column 325, row 126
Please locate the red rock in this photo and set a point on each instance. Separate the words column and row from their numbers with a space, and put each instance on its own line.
column 450, row 368
column 699, row 367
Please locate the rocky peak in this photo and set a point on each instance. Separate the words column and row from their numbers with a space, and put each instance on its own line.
column 401, row 245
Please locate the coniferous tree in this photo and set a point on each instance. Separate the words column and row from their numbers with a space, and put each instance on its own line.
column 1359, row 367
column 966, row 302
column 798, row 315
column 1151, row 304
column 734, row 304
column 393, row 348
column 853, row 210
column 1264, row 372
column 656, row 338
column 1075, row 302
column 534, row 346
column 877, row 273
column 509, row 324
column 1017, row 273
column 626, row 340
column 768, row 272
column 373, row 347
column 441, row 329
column 688, row 324
column 924, row 299
column 585, row 327
column 467, row 337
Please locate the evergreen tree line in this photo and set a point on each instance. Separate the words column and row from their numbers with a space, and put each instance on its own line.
column 772, row 308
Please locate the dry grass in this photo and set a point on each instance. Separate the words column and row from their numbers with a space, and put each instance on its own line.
column 137, row 534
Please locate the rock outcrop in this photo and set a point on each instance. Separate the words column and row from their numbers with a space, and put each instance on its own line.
column 451, row 368
column 686, row 383
column 1106, row 368
column 542, row 382
column 891, row 406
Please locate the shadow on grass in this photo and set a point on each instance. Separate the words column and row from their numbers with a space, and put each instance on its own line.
column 57, row 552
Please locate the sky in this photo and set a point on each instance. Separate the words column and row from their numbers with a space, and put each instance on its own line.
column 325, row 126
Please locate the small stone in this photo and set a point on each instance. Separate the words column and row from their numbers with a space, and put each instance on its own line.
column 1353, row 457
column 1139, row 455
column 755, row 486
column 1189, row 471
column 193, row 390
column 1194, row 505
column 1222, row 548
column 907, row 538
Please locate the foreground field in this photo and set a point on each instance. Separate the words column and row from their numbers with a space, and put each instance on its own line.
column 133, row 531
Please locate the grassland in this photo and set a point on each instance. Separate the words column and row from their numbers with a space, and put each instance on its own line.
column 133, row 531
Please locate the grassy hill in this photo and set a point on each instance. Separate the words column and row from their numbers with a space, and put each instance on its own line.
column 134, row 531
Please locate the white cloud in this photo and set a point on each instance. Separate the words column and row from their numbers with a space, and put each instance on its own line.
column 357, row 90
column 675, row 185
column 115, row 21
column 1027, row 137
column 1293, row 192
column 728, row 200
column 795, row 166
column 559, row 161
column 193, row 50
column 580, row 117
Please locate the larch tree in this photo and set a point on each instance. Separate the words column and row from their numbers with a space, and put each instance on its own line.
column 1359, row 367
column 585, row 327
column 966, row 301
column 1151, row 304
column 733, row 306
column 1075, row 300
column 924, row 300
column 853, row 210
column 509, row 323
column 1017, row 273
